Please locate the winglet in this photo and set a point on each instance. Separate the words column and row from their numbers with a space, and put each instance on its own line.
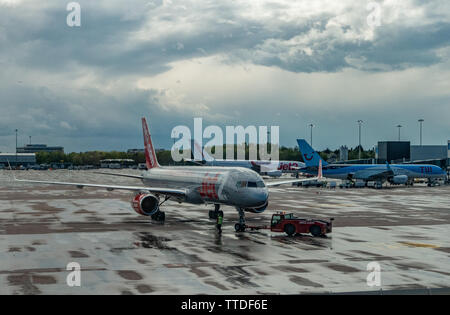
column 150, row 155
column 388, row 166
column 10, row 168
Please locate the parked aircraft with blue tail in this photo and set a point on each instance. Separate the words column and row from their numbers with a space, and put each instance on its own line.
column 397, row 174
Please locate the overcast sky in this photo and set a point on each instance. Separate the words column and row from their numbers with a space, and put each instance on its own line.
column 281, row 62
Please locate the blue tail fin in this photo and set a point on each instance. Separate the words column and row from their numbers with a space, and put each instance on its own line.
column 310, row 157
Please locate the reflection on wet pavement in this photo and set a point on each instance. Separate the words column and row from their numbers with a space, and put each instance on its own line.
column 43, row 228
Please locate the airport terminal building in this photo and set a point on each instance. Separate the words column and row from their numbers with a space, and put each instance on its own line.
column 448, row 156
column 35, row 148
column 24, row 159
column 404, row 152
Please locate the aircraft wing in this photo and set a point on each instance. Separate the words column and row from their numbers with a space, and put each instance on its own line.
column 119, row 174
column 291, row 181
column 375, row 175
column 163, row 191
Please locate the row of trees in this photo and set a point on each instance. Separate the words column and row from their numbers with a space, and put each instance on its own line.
column 165, row 157
column 94, row 157
column 353, row 153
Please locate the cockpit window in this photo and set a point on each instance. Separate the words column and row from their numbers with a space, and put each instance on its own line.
column 241, row 184
column 258, row 184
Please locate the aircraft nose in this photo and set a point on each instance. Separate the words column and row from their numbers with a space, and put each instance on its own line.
column 258, row 198
column 263, row 195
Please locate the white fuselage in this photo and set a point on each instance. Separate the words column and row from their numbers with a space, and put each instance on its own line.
column 234, row 186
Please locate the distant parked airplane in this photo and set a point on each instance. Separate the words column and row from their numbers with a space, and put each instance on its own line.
column 262, row 167
column 379, row 173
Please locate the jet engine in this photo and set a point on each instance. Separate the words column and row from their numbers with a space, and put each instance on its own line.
column 145, row 204
column 399, row 179
column 275, row 173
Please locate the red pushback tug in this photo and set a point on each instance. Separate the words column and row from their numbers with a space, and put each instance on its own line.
column 283, row 222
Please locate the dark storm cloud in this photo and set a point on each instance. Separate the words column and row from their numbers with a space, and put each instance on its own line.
column 79, row 85
column 406, row 47
column 105, row 41
column 88, row 115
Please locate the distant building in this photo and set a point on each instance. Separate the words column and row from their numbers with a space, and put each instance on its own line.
column 343, row 153
column 393, row 151
column 428, row 152
column 35, row 148
column 448, row 154
column 117, row 163
column 24, row 159
column 403, row 152
column 135, row 151
column 143, row 150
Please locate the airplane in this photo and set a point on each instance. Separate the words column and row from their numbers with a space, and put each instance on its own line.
column 396, row 174
column 266, row 167
column 239, row 187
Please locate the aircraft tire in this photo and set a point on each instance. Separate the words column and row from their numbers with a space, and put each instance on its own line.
column 239, row 227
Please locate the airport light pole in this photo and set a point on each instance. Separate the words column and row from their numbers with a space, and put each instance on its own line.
column 359, row 125
column 420, row 122
column 399, row 127
column 311, row 126
column 16, row 146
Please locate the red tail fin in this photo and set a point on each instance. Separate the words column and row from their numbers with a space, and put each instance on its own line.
column 150, row 155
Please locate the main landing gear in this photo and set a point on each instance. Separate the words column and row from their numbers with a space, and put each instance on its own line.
column 160, row 216
column 213, row 214
column 240, row 227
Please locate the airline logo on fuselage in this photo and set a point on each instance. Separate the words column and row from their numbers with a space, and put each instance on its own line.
column 208, row 188
column 288, row 166
column 426, row 169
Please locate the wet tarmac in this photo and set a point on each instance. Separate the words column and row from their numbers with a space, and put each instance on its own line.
column 44, row 228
